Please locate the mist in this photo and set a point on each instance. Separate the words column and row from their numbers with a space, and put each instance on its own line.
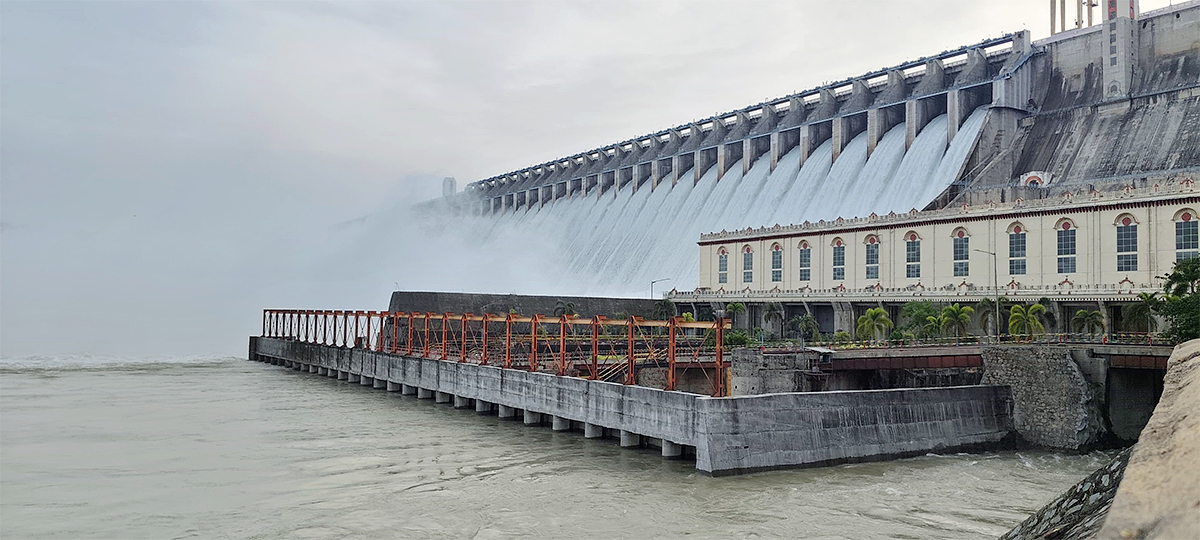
column 170, row 169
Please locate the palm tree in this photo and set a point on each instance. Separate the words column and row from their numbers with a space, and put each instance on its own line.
column 986, row 309
column 564, row 308
column 1026, row 321
column 1141, row 313
column 806, row 325
column 664, row 309
column 873, row 323
column 1184, row 279
column 1088, row 320
column 956, row 318
column 774, row 310
column 733, row 308
column 933, row 326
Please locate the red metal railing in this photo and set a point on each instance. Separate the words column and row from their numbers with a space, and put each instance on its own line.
column 594, row 348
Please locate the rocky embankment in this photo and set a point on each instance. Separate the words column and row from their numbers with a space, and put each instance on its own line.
column 1149, row 491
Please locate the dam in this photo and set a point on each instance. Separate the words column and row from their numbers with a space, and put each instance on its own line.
column 1097, row 108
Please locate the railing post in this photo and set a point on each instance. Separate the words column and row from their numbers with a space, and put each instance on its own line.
column 533, row 328
column 595, row 347
column 395, row 332
column 562, row 345
column 483, row 355
column 462, row 354
column 445, row 335
column 425, row 345
column 508, row 341
column 631, row 377
column 719, row 379
column 408, row 346
column 671, row 353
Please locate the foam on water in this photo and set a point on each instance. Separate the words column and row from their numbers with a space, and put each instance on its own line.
column 615, row 243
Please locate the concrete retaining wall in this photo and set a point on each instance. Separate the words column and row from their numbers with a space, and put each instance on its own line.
column 729, row 435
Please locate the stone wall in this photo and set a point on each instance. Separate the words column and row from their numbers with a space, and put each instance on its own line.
column 479, row 303
column 1054, row 406
column 1078, row 513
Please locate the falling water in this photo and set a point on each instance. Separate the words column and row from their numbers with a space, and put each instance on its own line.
column 616, row 242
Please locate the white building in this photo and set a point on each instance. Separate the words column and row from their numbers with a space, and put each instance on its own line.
column 1094, row 248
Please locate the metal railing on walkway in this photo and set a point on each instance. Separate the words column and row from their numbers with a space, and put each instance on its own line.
column 594, row 348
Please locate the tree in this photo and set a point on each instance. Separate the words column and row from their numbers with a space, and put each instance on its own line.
column 986, row 311
column 841, row 336
column 1181, row 303
column 774, row 310
column 1088, row 320
column 955, row 318
column 733, row 308
column 874, row 324
column 932, row 327
column 687, row 317
column 807, row 326
column 664, row 309
column 915, row 318
column 564, row 308
column 1050, row 318
column 1026, row 321
column 1140, row 314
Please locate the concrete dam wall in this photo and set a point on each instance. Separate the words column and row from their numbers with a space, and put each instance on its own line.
column 726, row 435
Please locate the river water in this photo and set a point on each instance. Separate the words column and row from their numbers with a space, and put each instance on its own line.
column 226, row 448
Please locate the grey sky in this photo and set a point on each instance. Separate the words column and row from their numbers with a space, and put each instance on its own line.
column 168, row 169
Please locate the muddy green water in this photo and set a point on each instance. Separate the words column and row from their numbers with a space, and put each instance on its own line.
column 225, row 448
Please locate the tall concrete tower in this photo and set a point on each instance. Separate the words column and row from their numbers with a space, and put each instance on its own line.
column 1120, row 58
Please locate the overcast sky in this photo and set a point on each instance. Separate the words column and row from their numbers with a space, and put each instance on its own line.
column 168, row 169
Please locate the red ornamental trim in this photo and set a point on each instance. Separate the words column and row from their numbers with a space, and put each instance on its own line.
column 1066, row 226
column 1126, row 221
column 1017, row 229
column 913, row 237
column 871, row 240
column 961, row 234
column 1187, row 216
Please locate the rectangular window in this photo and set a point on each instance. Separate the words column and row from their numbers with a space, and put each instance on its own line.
column 777, row 265
column 962, row 256
column 805, row 264
column 1016, row 254
column 839, row 262
column 872, row 261
column 723, row 268
column 747, row 267
column 1066, row 251
column 1187, row 239
column 723, row 277
column 1127, row 248
column 912, row 250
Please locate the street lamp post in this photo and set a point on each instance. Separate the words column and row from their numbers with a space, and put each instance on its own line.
column 995, row 290
column 652, row 286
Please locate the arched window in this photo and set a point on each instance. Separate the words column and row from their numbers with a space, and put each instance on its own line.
column 1065, row 233
column 1187, row 234
column 1127, row 242
column 747, row 265
column 962, row 252
column 839, row 259
column 805, row 261
column 776, row 263
column 912, row 255
column 1016, row 249
column 872, row 258
column 722, row 266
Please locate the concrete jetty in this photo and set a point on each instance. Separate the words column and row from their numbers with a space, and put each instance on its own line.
column 726, row 435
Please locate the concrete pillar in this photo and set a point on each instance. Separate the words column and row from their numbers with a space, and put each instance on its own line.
column 559, row 423
column 841, row 135
column 442, row 397
column 671, row 450
column 322, row 371
column 332, row 373
column 379, row 383
column 312, row 368
column 914, row 120
column 366, row 381
column 630, row 439
column 343, row 375
column 351, row 377
column 424, row 394
column 483, row 407
column 807, row 142
column 954, row 113
column 748, row 155
column 462, row 402
column 506, row 412
column 408, row 390
column 592, row 431
column 774, row 150
column 393, row 386
column 874, row 129
column 532, row 418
